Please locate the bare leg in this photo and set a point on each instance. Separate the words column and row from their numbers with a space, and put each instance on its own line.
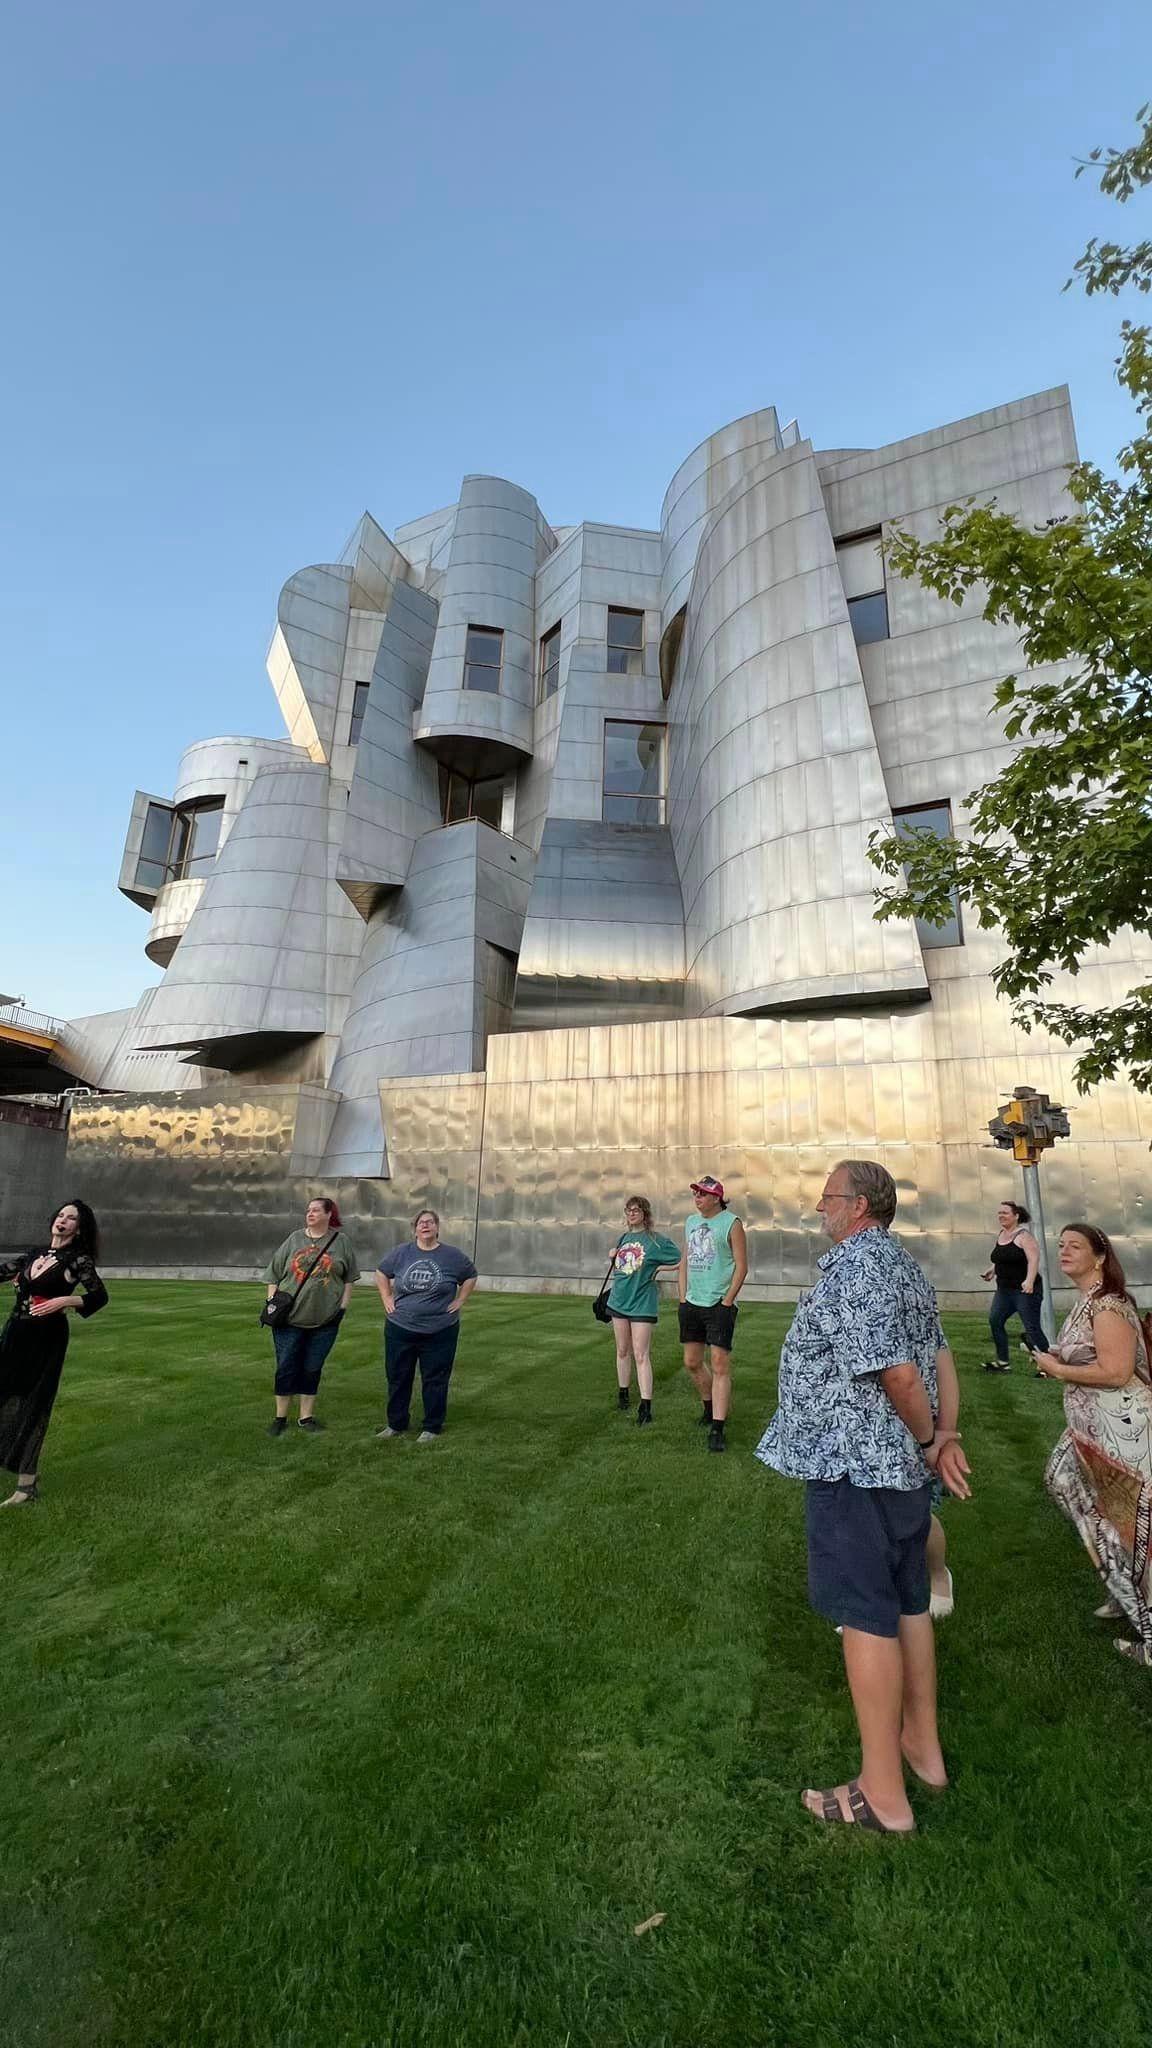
column 875, row 1667
column 642, row 1352
column 622, row 1331
column 283, row 1404
column 920, row 1737
column 307, row 1404
column 695, row 1367
column 721, row 1383
column 938, row 1561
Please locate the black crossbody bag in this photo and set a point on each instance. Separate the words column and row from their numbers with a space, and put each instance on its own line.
column 600, row 1308
column 279, row 1306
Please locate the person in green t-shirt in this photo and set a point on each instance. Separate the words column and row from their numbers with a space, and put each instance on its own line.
column 633, row 1300
column 318, row 1266
column 713, row 1269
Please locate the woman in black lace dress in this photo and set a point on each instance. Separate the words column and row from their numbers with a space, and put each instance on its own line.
column 35, row 1338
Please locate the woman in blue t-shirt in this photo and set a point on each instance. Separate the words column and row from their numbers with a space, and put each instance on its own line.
column 633, row 1301
column 423, row 1285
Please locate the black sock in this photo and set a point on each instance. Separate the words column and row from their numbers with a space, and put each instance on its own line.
column 718, row 1421
column 707, row 1411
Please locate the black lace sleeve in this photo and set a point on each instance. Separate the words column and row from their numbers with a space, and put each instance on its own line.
column 9, row 1268
column 94, row 1291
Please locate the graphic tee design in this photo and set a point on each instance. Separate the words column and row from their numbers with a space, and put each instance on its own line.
column 424, row 1283
column 635, row 1263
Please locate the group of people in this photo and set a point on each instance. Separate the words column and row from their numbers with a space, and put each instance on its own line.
column 868, row 1413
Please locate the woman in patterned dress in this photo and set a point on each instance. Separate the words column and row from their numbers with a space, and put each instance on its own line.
column 1100, row 1473
column 35, row 1338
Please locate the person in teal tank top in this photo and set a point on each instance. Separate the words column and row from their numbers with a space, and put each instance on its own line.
column 713, row 1269
column 634, row 1302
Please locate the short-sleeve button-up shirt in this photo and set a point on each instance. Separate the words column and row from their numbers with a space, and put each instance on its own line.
column 870, row 1309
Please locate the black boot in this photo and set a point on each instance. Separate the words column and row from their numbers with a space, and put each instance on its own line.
column 716, row 1437
column 623, row 1398
column 643, row 1414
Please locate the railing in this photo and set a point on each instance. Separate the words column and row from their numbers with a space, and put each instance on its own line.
column 29, row 1020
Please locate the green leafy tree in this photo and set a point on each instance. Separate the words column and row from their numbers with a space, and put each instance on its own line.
column 1059, row 856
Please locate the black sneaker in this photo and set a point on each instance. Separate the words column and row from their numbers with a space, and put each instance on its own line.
column 310, row 1423
column 716, row 1437
column 643, row 1414
column 278, row 1427
column 623, row 1398
column 996, row 1365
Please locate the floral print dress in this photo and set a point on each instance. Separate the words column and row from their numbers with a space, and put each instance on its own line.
column 1100, row 1472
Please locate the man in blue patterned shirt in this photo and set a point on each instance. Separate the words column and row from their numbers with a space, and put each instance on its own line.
column 857, row 1422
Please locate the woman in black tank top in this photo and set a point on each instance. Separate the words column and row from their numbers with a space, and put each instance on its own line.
column 1019, row 1289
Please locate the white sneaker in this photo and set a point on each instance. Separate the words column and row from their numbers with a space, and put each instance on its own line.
column 426, row 1436
column 387, row 1432
column 941, row 1604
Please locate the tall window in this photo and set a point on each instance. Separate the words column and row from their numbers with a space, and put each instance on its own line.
column 461, row 799
column 180, row 843
column 633, row 773
column 359, row 706
column 550, row 663
column 935, row 818
column 483, row 652
column 862, row 573
column 625, row 642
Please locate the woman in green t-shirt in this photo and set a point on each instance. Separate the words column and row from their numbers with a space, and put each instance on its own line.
column 317, row 1265
column 633, row 1300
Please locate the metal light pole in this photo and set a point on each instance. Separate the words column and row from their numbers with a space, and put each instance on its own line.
column 1027, row 1125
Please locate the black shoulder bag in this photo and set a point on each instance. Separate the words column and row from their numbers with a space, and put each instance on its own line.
column 600, row 1308
column 279, row 1306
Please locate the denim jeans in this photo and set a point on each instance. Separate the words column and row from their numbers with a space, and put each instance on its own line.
column 1012, row 1301
column 434, row 1352
column 300, row 1356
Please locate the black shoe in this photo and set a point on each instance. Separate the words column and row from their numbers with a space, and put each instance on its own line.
column 716, row 1437
column 278, row 1427
column 310, row 1423
column 623, row 1398
column 996, row 1365
column 643, row 1414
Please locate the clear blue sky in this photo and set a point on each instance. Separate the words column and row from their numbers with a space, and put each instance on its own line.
column 270, row 264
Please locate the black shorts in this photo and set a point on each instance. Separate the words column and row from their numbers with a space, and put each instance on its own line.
column 715, row 1325
column 867, row 1553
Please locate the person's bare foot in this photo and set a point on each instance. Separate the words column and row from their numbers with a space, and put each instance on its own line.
column 930, row 1767
column 855, row 1809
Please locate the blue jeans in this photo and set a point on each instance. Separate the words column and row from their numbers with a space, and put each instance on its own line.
column 1012, row 1301
column 434, row 1352
column 300, row 1356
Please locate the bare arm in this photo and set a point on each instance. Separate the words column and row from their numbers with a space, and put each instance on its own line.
column 462, row 1293
column 387, row 1296
column 346, row 1297
column 905, row 1389
column 682, row 1274
column 1031, row 1251
column 739, row 1244
column 1115, row 1341
column 945, row 1456
column 948, row 1392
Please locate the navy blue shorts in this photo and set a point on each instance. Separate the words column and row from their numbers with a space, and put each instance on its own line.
column 867, row 1553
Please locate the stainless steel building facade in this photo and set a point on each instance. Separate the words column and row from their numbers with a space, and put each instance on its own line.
column 557, row 885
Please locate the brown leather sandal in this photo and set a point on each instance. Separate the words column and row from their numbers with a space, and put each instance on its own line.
column 862, row 1813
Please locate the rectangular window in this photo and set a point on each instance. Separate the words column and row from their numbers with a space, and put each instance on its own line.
column 152, row 865
column 483, row 652
column 861, row 566
column 550, row 664
column 633, row 773
column 359, row 705
column 461, row 799
column 935, row 818
column 179, row 843
column 625, row 642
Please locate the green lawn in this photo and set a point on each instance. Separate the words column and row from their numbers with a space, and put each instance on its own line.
column 338, row 1744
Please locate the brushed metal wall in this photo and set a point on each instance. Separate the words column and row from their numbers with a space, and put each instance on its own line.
column 529, row 1163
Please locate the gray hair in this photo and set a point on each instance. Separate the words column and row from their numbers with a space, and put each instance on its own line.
column 875, row 1183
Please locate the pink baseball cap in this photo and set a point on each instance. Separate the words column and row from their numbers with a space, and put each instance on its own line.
column 706, row 1185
